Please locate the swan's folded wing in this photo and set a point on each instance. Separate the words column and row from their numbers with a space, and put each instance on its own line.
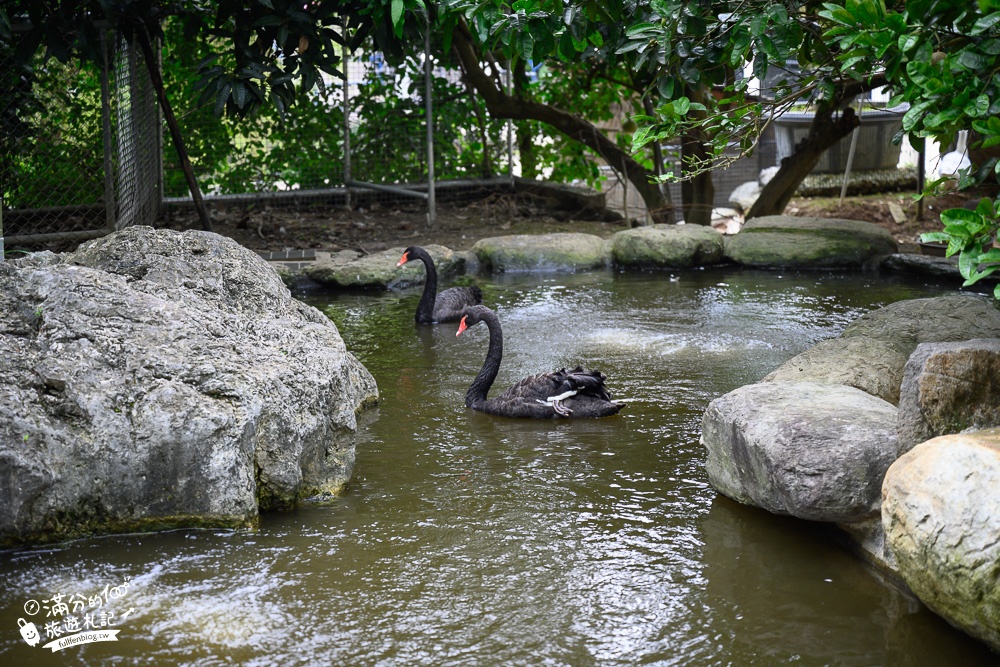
column 449, row 303
column 536, row 387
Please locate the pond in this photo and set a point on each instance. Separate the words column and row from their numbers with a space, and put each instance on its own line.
column 466, row 539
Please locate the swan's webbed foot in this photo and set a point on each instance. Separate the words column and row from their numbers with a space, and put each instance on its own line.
column 560, row 409
column 555, row 402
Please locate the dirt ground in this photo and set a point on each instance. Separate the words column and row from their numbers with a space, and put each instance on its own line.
column 458, row 226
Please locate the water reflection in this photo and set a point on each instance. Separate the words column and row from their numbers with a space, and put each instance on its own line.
column 808, row 600
column 466, row 539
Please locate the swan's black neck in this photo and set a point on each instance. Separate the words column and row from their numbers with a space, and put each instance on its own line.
column 476, row 395
column 425, row 309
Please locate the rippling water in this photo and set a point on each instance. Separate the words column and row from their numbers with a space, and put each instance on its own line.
column 466, row 539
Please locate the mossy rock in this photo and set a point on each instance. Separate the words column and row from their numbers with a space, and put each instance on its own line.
column 781, row 241
column 564, row 252
column 667, row 246
column 349, row 270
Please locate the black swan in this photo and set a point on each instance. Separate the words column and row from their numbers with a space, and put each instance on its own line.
column 562, row 393
column 446, row 306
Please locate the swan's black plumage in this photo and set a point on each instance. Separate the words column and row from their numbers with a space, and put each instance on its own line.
column 562, row 393
column 446, row 306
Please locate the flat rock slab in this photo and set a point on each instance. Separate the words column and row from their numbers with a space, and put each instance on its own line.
column 924, row 265
column 809, row 243
column 871, row 365
column 941, row 515
column 564, row 252
column 810, row 450
column 906, row 324
column 353, row 270
column 667, row 247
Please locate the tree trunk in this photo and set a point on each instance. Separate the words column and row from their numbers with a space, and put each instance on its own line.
column 502, row 105
column 671, row 217
column 824, row 132
column 175, row 131
column 525, row 136
column 526, row 150
column 698, row 193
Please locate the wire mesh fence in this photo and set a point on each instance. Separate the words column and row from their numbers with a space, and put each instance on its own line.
column 361, row 138
column 79, row 148
column 82, row 151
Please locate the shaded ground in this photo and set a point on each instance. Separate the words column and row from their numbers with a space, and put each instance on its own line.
column 458, row 226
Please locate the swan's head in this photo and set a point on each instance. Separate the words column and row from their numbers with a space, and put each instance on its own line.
column 472, row 316
column 407, row 256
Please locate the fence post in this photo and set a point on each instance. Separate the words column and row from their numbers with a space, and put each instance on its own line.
column 510, row 132
column 347, row 113
column 109, row 175
column 160, row 180
column 429, row 83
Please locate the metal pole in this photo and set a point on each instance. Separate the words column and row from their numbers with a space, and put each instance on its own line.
column 109, row 177
column 510, row 134
column 158, row 123
column 431, row 210
column 921, row 177
column 347, row 113
column 850, row 153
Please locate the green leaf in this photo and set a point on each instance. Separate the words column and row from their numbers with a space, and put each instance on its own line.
column 838, row 14
column 267, row 21
column 221, row 98
column 985, row 23
column 972, row 60
column 990, row 47
column 527, row 46
column 638, row 29
column 908, row 42
column 239, row 94
column 666, row 87
column 985, row 208
column 397, row 9
column 630, row 46
column 954, row 216
column 915, row 114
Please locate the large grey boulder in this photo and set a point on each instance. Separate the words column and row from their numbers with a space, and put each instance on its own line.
column 906, row 324
column 872, row 351
column 560, row 252
column 353, row 270
column 949, row 388
column 156, row 379
column 809, row 450
column 666, row 246
column 809, row 243
column 871, row 365
column 941, row 514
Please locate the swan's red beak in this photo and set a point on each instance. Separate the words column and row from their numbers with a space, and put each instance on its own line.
column 403, row 260
column 462, row 326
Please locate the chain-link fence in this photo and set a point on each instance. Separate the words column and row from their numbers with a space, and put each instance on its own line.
column 82, row 151
column 79, row 149
column 350, row 141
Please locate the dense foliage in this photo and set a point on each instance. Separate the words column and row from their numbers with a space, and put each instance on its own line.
column 943, row 58
column 681, row 69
